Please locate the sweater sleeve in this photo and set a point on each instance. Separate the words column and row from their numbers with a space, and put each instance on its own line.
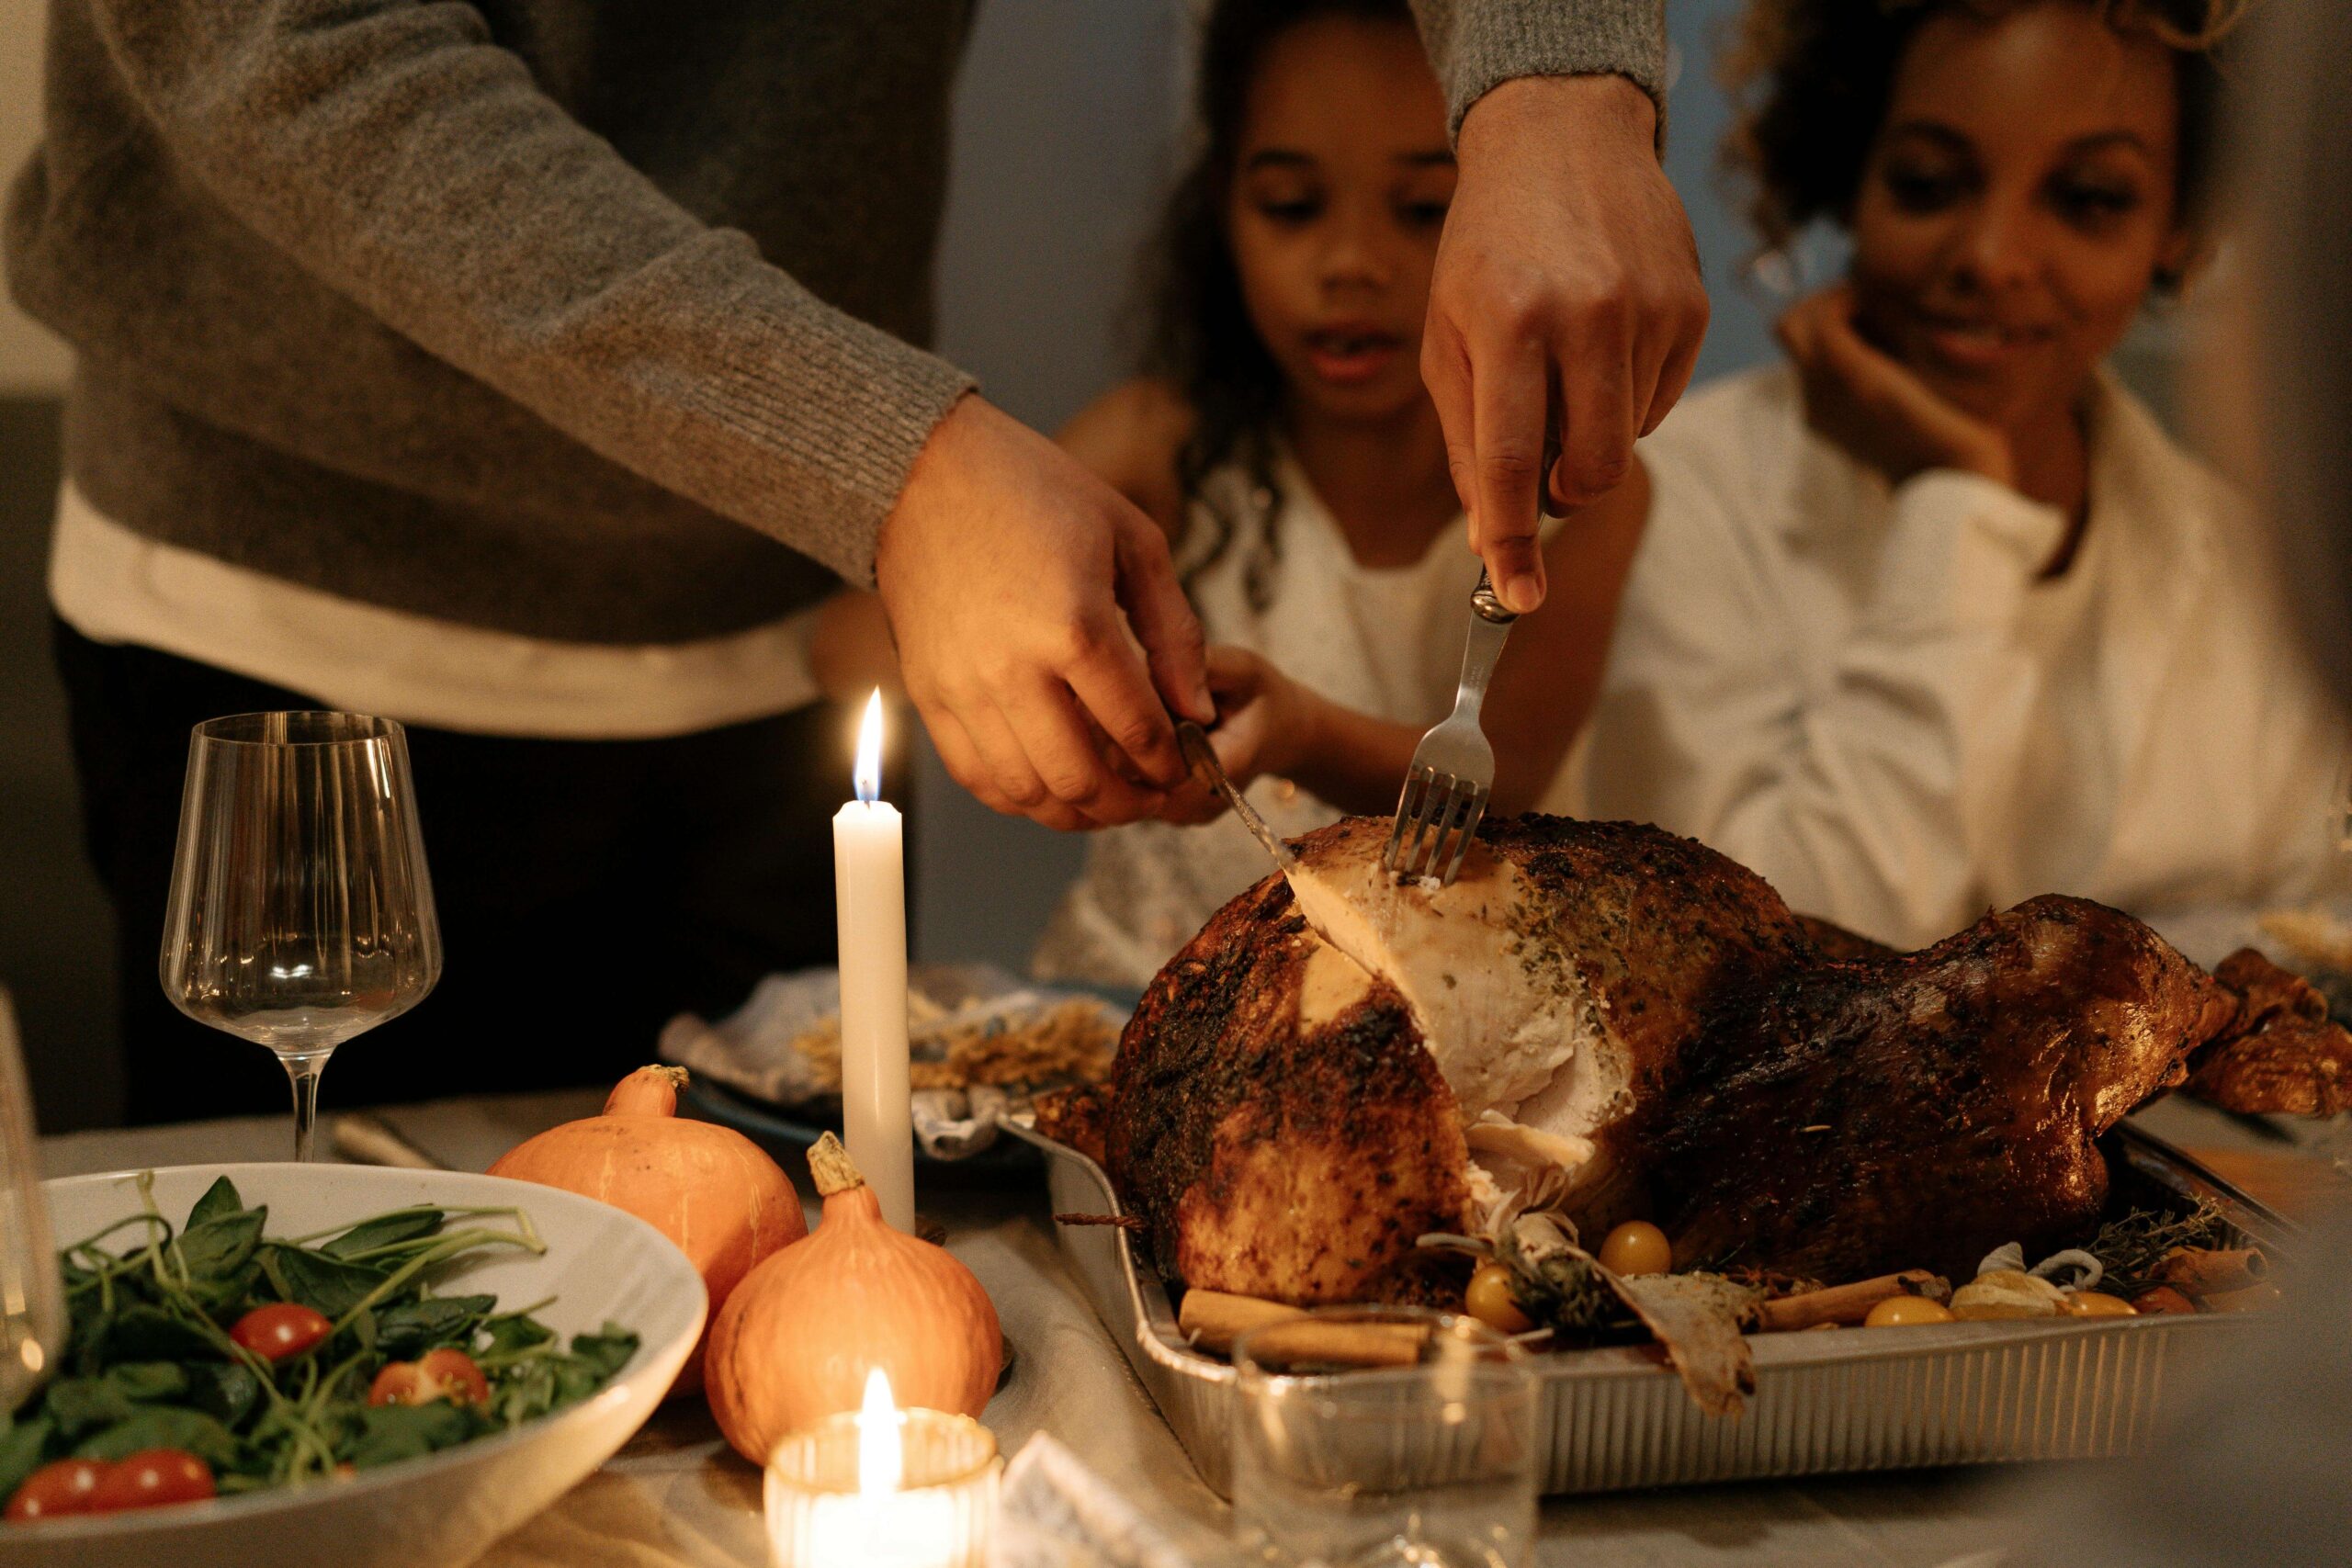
column 1477, row 45
column 396, row 153
column 1857, row 787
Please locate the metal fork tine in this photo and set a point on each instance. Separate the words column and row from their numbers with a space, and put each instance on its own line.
column 1475, row 814
column 1435, row 808
column 1410, row 859
column 1414, row 777
column 1457, row 804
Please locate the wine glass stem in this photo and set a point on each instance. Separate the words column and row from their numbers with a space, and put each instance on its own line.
column 304, row 1071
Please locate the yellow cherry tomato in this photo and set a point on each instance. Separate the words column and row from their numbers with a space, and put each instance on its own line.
column 1898, row 1311
column 1490, row 1300
column 1637, row 1246
column 2095, row 1304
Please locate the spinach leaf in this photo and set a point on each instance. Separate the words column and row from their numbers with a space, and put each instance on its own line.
column 146, row 1382
column 22, row 1449
column 605, row 1351
column 574, row 1380
column 528, row 1391
column 218, row 1298
column 513, row 1333
column 226, row 1391
column 219, row 1247
column 406, row 1332
column 385, row 1230
column 86, row 1404
column 389, row 1432
column 324, row 1284
column 165, row 1426
column 219, row 1201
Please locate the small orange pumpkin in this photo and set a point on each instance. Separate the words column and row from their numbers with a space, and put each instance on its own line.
column 795, row 1340
column 707, row 1187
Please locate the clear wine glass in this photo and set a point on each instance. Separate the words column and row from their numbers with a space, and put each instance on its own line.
column 301, row 911
column 32, row 1293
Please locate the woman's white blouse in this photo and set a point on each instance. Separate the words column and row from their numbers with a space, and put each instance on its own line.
column 1869, row 697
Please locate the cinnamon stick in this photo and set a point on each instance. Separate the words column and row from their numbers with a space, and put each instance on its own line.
column 2206, row 1271
column 1846, row 1304
column 1213, row 1320
column 1308, row 1343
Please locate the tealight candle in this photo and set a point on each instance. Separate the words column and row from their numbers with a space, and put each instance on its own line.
column 882, row 1487
column 870, row 902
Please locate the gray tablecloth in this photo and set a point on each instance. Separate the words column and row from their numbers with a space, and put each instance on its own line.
column 677, row 1496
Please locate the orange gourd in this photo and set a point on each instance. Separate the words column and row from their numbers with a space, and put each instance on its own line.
column 795, row 1340
column 707, row 1187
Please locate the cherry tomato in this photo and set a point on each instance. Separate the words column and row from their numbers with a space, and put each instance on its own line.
column 1637, row 1246
column 440, row 1374
column 458, row 1377
column 1897, row 1312
column 1490, row 1300
column 150, row 1478
column 281, row 1330
column 2097, row 1304
column 62, row 1486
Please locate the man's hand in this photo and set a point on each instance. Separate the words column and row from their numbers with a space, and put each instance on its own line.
column 1040, row 628
column 1566, row 303
column 1875, row 407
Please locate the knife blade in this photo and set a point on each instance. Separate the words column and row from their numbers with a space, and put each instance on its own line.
column 1202, row 758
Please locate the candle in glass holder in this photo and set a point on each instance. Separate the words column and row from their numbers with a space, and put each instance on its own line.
column 870, row 899
column 882, row 1487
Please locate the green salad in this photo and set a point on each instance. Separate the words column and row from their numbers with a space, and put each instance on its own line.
column 211, row 1357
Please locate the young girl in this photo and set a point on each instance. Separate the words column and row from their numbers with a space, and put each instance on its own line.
column 1936, row 617
column 1285, row 442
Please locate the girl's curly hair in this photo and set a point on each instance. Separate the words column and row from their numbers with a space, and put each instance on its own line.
column 1201, row 338
column 1809, row 81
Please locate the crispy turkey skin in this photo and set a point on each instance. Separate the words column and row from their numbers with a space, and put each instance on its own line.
column 1606, row 1020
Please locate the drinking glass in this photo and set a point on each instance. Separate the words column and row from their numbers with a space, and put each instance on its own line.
column 301, row 911
column 32, row 1295
column 1426, row 1463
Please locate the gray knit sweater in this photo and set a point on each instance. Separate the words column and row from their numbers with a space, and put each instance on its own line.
column 595, row 319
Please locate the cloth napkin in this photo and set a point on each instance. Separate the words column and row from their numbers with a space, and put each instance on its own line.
column 1056, row 1513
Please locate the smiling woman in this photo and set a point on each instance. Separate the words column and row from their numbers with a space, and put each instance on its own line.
column 1937, row 617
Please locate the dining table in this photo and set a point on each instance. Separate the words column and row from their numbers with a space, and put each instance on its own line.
column 677, row 1496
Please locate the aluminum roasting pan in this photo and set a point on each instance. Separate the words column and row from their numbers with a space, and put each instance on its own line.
column 1616, row 1419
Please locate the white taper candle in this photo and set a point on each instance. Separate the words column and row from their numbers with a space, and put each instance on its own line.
column 870, row 897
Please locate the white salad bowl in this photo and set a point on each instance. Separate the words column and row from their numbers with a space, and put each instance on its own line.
column 444, row 1508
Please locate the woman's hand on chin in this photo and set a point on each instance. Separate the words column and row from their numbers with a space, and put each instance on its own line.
column 1877, row 408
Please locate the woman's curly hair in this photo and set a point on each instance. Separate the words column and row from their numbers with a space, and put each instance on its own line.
column 1201, row 338
column 1809, row 81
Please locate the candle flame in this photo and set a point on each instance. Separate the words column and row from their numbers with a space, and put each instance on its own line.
column 881, row 1446
column 869, row 751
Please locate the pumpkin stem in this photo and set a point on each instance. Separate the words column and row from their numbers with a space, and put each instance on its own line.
column 649, row 1091
column 830, row 1166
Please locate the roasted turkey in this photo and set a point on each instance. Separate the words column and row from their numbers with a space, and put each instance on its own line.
column 1605, row 1020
